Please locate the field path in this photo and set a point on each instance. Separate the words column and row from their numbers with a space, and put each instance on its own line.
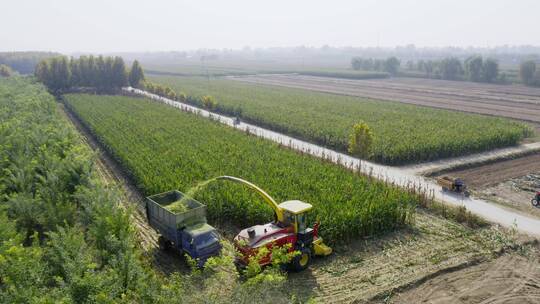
column 405, row 178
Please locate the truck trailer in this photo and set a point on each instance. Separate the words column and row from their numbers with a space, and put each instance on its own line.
column 185, row 231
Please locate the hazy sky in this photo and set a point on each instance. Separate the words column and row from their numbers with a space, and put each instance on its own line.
column 134, row 25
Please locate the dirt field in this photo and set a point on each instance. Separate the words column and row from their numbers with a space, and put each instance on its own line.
column 511, row 183
column 509, row 279
column 513, row 101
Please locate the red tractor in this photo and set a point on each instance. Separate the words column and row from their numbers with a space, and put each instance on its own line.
column 288, row 229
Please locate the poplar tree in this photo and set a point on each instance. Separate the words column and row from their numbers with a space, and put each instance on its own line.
column 136, row 75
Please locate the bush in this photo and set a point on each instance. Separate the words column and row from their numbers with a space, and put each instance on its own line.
column 361, row 141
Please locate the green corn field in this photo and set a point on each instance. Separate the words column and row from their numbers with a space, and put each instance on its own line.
column 163, row 149
column 403, row 133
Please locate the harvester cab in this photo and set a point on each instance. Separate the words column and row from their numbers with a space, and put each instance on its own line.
column 289, row 227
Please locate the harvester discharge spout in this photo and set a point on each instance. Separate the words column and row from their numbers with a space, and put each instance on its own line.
column 267, row 198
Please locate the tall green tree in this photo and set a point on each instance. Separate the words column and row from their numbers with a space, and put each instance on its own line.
column 136, row 74
column 42, row 71
column 451, row 68
column 119, row 74
column 391, row 65
column 74, row 66
column 62, row 72
column 490, row 70
column 527, row 72
column 56, row 74
column 473, row 68
column 91, row 72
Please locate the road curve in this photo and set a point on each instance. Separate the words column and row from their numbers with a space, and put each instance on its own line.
column 404, row 178
column 473, row 159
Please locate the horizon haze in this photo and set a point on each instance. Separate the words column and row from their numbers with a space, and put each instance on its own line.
column 166, row 25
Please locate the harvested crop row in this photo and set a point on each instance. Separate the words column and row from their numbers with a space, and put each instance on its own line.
column 164, row 149
column 403, row 133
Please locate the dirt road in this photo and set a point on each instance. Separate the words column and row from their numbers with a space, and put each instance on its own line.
column 512, row 101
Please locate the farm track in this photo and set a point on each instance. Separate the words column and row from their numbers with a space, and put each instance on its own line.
column 112, row 175
column 480, row 98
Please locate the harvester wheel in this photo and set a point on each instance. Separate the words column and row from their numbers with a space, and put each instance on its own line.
column 534, row 202
column 164, row 244
column 301, row 261
column 240, row 267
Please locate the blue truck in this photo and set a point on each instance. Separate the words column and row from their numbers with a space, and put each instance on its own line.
column 186, row 231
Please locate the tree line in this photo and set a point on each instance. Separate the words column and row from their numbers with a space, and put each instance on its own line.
column 474, row 68
column 102, row 73
column 389, row 65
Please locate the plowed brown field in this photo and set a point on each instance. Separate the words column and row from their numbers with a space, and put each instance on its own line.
column 512, row 101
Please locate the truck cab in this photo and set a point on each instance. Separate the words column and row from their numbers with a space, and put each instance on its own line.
column 201, row 241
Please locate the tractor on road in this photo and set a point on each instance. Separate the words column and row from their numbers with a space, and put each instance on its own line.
column 456, row 185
